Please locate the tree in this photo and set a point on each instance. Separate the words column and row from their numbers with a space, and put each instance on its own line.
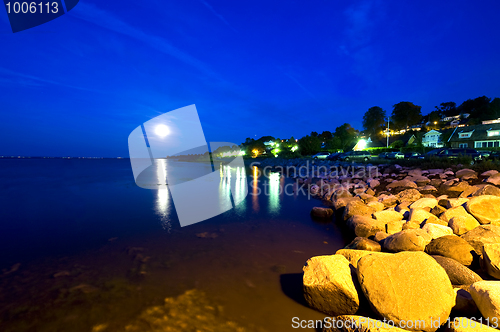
column 314, row 134
column 494, row 108
column 255, row 148
column 397, row 144
column 406, row 114
column 346, row 135
column 447, row 109
column 326, row 135
column 374, row 120
column 309, row 145
column 434, row 116
column 477, row 108
column 266, row 138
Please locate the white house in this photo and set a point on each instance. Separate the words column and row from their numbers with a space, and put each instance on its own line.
column 432, row 139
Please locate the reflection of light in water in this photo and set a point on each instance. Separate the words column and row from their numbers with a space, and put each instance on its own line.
column 163, row 194
column 225, row 186
column 240, row 190
column 255, row 188
column 274, row 192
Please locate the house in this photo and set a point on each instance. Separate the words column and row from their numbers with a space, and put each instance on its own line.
column 479, row 136
column 432, row 139
column 408, row 138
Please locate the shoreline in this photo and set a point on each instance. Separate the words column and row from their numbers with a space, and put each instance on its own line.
column 446, row 222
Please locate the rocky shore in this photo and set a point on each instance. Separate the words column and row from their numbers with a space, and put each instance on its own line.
column 425, row 252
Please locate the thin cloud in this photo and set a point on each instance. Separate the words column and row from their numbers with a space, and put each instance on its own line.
column 30, row 80
column 303, row 88
column 107, row 20
column 359, row 23
column 218, row 15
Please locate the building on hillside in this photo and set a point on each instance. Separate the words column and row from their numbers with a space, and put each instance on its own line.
column 408, row 138
column 479, row 136
column 432, row 139
column 491, row 121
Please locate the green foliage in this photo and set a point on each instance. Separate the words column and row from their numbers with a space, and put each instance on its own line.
column 406, row 114
column 374, row 121
column 478, row 108
column 346, row 136
column 447, row 109
column 326, row 135
column 397, row 144
column 309, row 145
column 255, row 145
column 266, row 139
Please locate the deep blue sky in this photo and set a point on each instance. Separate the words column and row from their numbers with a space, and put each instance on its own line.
column 80, row 84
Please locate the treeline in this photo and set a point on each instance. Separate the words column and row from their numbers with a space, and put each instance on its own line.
column 404, row 115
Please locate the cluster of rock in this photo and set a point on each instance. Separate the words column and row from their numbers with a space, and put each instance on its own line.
column 424, row 242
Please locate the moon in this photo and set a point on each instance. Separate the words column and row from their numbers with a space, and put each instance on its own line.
column 162, row 130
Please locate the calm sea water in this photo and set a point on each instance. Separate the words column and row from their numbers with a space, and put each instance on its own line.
column 82, row 247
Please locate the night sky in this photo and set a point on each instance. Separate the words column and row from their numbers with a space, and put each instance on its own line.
column 78, row 85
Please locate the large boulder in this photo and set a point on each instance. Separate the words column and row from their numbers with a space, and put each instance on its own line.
column 486, row 294
column 407, row 287
column 388, row 215
column 365, row 226
column 394, row 226
column 454, row 202
column 420, row 216
column 466, row 174
column 329, row 285
column 482, row 235
column 458, row 274
column 341, row 202
column 486, row 209
column 353, row 256
column 407, row 240
column 451, row 246
column 462, row 224
column 487, row 190
column 491, row 259
column 490, row 172
column 357, row 208
column 436, row 231
column 457, row 211
column 321, row 212
column 494, row 179
column 410, row 195
column 362, row 243
column 376, row 205
column 425, row 202
column 405, row 183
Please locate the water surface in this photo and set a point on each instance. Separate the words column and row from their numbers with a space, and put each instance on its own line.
column 83, row 247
